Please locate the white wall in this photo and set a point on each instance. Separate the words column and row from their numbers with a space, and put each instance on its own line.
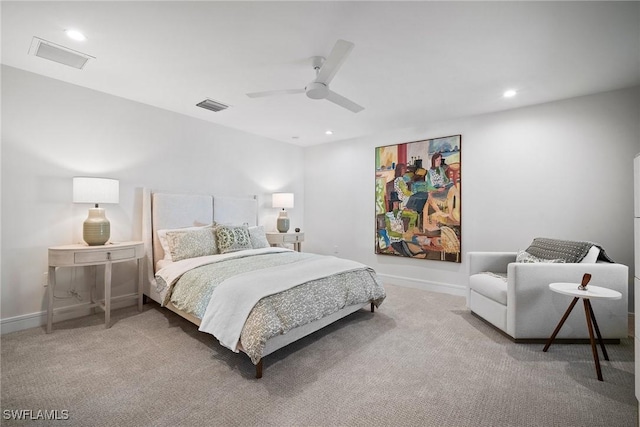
column 561, row 170
column 53, row 131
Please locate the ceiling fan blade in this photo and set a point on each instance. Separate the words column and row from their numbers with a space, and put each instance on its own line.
column 334, row 61
column 344, row 102
column 274, row 93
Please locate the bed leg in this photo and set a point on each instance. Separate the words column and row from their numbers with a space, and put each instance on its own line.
column 372, row 307
column 259, row 369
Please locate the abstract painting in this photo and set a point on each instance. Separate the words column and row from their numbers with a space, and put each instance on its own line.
column 417, row 199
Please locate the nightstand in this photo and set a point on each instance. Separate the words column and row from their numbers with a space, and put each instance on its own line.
column 296, row 239
column 81, row 255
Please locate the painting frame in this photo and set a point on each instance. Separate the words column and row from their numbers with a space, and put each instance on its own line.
column 418, row 203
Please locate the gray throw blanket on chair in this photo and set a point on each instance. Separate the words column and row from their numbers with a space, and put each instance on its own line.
column 567, row 250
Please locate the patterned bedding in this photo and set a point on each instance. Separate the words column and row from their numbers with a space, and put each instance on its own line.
column 280, row 312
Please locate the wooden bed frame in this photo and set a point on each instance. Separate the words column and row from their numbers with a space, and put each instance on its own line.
column 167, row 211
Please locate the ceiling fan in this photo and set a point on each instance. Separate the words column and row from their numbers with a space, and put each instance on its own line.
column 326, row 70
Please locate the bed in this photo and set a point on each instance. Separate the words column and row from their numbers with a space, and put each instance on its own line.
column 208, row 260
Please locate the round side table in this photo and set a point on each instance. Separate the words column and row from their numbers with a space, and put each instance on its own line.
column 591, row 292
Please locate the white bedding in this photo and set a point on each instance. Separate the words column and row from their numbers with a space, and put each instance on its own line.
column 172, row 271
column 278, row 318
column 233, row 300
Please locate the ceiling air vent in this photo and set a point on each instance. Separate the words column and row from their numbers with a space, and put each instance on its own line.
column 54, row 52
column 212, row 105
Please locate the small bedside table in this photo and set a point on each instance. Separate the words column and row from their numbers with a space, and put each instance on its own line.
column 90, row 256
column 284, row 238
column 591, row 292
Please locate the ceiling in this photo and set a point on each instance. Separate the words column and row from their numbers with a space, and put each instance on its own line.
column 413, row 62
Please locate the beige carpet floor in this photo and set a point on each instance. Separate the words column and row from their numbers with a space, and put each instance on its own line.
column 421, row 360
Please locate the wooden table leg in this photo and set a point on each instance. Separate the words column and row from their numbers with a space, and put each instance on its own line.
column 594, row 349
column 564, row 318
column 107, row 294
column 50, row 290
column 595, row 326
column 92, row 291
column 140, row 281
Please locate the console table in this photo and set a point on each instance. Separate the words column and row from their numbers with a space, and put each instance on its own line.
column 283, row 238
column 81, row 255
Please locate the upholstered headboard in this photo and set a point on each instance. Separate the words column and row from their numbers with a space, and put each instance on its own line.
column 170, row 210
column 177, row 211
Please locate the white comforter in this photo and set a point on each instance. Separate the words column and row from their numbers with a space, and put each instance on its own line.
column 233, row 300
column 174, row 270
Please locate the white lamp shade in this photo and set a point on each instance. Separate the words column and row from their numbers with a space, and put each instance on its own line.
column 95, row 190
column 282, row 200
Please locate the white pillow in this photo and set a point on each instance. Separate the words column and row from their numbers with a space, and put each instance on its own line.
column 591, row 256
column 258, row 237
column 162, row 236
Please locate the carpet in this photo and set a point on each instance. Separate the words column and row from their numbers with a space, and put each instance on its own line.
column 422, row 359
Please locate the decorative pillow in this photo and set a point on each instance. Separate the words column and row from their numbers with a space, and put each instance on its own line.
column 258, row 237
column 591, row 256
column 524, row 256
column 232, row 239
column 162, row 237
column 191, row 244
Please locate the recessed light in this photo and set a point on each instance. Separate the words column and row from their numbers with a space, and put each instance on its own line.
column 75, row 34
column 510, row 93
column 329, row 132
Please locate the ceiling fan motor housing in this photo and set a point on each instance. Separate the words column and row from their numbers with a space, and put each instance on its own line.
column 325, row 70
column 317, row 90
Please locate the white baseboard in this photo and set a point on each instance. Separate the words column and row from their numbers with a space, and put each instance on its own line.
column 425, row 285
column 39, row 319
column 35, row 320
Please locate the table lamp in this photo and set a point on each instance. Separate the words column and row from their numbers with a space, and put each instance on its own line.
column 96, row 229
column 282, row 200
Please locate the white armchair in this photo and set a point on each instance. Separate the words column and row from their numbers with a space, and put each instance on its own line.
column 524, row 307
